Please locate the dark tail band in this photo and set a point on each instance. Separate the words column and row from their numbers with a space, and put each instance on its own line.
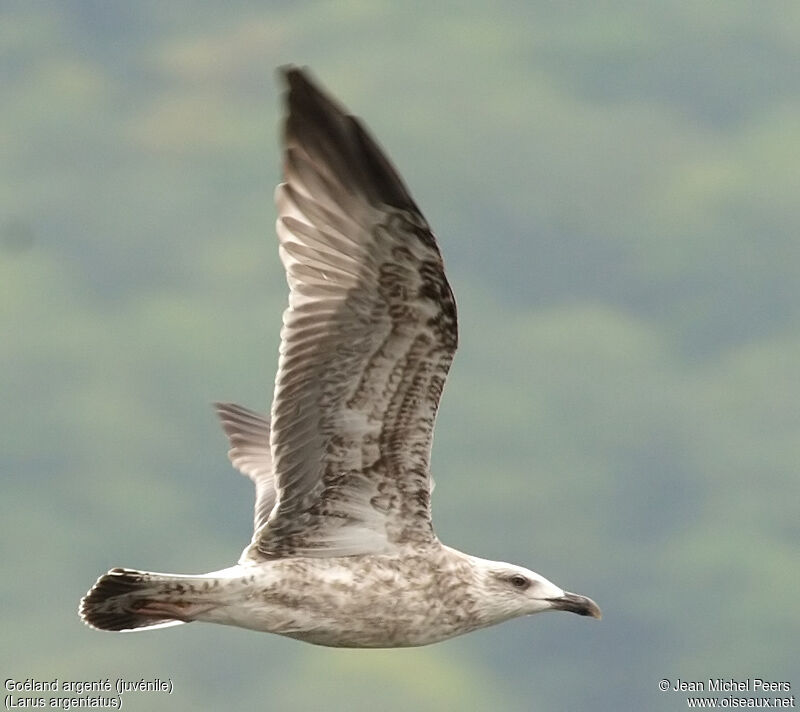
column 114, row 602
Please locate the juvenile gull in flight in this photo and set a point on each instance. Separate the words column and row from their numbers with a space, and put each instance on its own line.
column 343, row 553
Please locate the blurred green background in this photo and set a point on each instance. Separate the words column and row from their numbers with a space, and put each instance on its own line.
column 615, row 189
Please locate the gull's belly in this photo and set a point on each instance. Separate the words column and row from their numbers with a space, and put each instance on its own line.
column 368, row 601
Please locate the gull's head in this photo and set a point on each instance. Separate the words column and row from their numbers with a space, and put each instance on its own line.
column 512, row 591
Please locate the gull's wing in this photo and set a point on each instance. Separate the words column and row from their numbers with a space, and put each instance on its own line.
column 367, row 342
column 248, row 434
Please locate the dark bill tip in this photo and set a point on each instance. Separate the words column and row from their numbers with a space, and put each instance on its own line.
column 572, row 602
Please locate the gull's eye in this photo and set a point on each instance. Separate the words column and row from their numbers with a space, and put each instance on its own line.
column 518, row 581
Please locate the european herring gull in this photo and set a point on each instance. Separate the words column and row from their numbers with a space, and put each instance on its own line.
column 343, row 552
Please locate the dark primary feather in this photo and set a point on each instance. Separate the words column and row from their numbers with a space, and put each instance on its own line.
column 367, row 342
column 341, row 145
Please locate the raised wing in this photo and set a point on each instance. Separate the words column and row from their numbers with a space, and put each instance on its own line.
column 248, row 434
column 367, row 342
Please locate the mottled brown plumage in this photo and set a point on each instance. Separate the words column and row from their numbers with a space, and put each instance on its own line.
column 367, row 341
column 343, row 551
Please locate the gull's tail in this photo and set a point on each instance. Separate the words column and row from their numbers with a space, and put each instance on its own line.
column 127, row 600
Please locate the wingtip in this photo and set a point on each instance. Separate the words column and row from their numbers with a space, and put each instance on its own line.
column 292, row 75
column 304, row 93
column 331, row 136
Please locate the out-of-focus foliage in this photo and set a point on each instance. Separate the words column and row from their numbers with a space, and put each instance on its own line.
column 616, row 190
